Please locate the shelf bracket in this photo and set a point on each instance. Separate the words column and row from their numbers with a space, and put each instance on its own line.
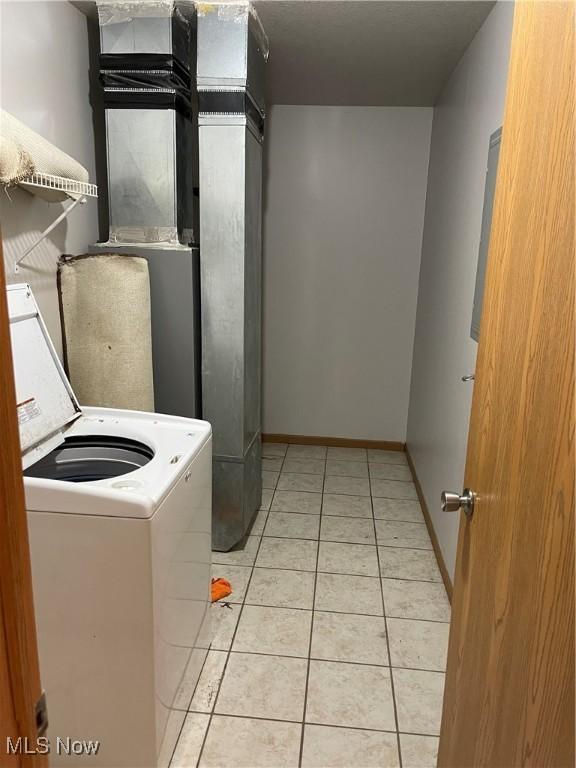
column 38, row 240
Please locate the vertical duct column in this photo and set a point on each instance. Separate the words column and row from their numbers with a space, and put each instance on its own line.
column 147, row 72
column 232, row 51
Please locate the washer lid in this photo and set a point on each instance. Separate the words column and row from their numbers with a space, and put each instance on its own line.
column 45, row 400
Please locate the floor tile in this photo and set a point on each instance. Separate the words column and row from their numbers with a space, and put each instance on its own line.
column 354, row 559
column 390, row 472
column 263, row 686
column 240, row 742
column 297, row 501
column 414, row 564
column 189, row 680
column 419, row 751
column 348, row 594
column 347, row 454
column 351, row 695
column 292, row 525
column 224, row 620
column 418, row 700
column 284, row 589
column 269, row 479
column 408, row 535
column 346, row 468
column 237, row 575
column 387, row 457
column 209, row 682
column 282, row 631
column 418, row 644
column 352, row 530
column 327, row 747
column 190, row 742
column 306, row 452
column 393, row 489
column 355, row 486
column 173, row 727
column 267, row 495
column 347, row 637
column 297, row 554
column 401, row 510
column 272, row 450
column 300, row 482
column 415, row 600
column 258, row 522
column 345, row 505
column 242, row 554
column 305, row 466
column 272, row 464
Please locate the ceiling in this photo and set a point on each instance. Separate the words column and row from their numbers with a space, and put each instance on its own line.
column 361, row 52
column 365, row 52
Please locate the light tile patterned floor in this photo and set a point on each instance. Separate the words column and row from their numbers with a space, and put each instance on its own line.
column 332, row 647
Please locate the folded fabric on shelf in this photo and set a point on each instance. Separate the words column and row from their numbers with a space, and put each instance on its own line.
column 15, row 163
column 24, row 152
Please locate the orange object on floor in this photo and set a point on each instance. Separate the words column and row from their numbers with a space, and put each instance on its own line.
column 220, row 588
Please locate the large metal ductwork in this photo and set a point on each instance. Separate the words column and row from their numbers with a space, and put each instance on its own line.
column 147, row 76
column 147, row 73
column 183, row 93
column 232, row 53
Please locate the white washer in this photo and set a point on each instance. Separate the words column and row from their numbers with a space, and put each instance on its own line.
column 119, row 517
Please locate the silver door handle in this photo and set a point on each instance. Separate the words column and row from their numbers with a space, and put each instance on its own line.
column 452, row 502
column 470, row 377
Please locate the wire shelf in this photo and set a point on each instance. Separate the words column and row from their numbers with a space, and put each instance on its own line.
column 78, row 190
column 61, row 184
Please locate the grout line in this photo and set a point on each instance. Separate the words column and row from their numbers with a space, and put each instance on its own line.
column 387, row 639
column 313, row 617
column 368, row 496
column 367, row 576
column 189, row 707
column 294, row 512
column 314, row 493
column 319, row 610
column 339, row 613
column 298, row 722
column 343, row 661
column 331, row 573
column 187, row 710
column 321, row 659
column 332, row 541
column 229, row 650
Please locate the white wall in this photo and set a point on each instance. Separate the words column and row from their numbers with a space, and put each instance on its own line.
column 344, row 208
column 44, row 83
column 468, row 111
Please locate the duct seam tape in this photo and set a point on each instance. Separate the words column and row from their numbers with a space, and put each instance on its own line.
column 127, row 234
column 119, row 12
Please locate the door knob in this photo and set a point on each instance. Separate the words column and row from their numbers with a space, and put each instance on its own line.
column 452, row 502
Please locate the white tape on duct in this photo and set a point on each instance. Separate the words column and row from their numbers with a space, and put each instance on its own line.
column 237, row 12
column 105, row 308
column 121, row 11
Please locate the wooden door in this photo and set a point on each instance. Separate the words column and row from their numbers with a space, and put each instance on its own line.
column 19, row 673
column 509, row 697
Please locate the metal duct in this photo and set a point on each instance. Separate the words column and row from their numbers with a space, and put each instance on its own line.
column 232, row 51
column 147, row 73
